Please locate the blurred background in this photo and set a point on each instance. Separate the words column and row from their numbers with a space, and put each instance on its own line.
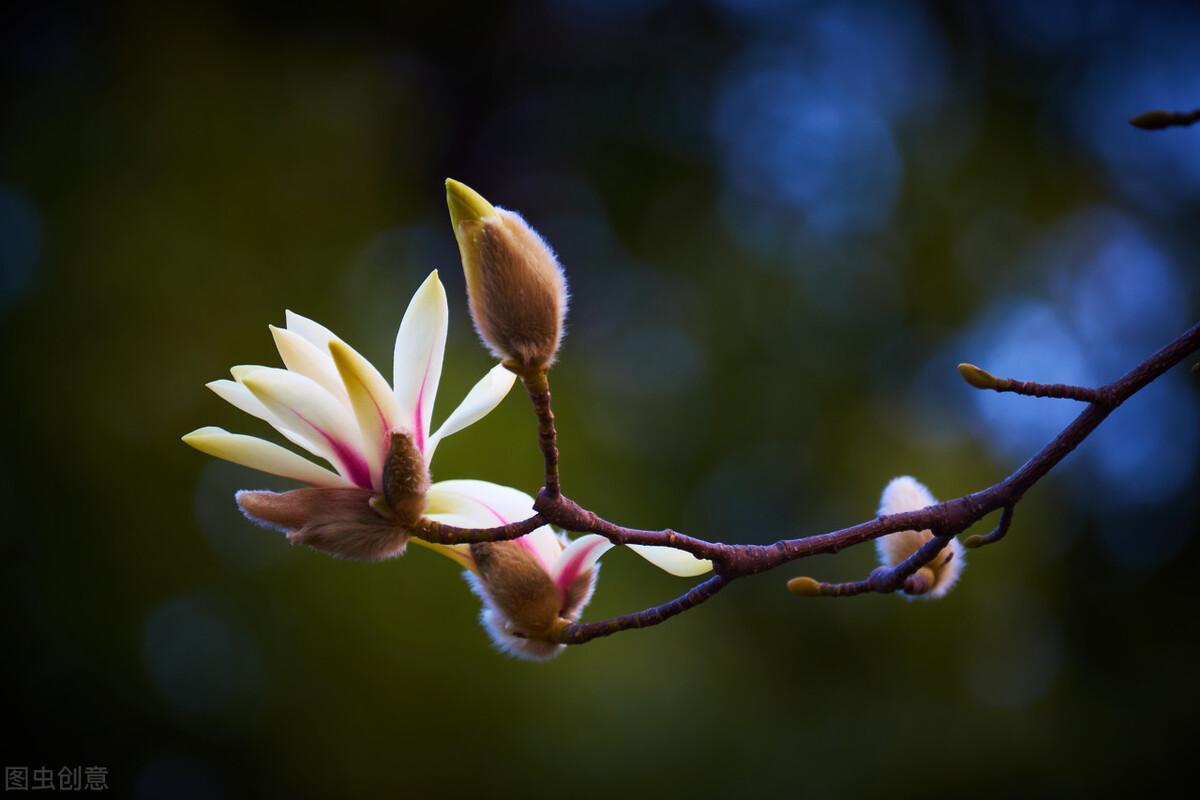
column 784, row 224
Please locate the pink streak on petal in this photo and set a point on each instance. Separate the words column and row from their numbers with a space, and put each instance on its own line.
column 418, row 417
column 572, row 568
column 352, row 463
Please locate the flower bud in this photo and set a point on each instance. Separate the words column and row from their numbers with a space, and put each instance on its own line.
column 979, row 378
column 524, row 608
column 515, row 288
column 937, row 577
column 340, row 522
column 804, row 586
column 405, row 480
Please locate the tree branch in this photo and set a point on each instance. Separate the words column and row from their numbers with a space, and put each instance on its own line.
column 730, row 562
column 537, row 385
column 1158, row 120
column 883, row 580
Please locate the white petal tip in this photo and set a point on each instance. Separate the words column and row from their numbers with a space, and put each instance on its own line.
column 679, row 563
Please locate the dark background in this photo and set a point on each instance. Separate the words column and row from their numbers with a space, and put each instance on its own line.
column 784, row 224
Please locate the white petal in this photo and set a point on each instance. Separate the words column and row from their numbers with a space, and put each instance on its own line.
column 242, row 399
column 371, row 399
column 483, row 397
column 262, row 455
column 672, row 560
column 456, row 520
column 314, row 332
column 420, row 346
column 490, row 504
column 302, row 356
column 578, row 557
column 487, row 503
column 303, row 405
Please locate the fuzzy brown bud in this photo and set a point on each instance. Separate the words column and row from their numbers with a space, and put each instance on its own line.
column 518, row 586
column 340, row 522
column 515, row 287
column 405, row 480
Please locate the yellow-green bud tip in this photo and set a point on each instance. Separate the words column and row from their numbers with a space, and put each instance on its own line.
column 465, row 203
column 979, row 378
column 804, row 586
column 973, row 541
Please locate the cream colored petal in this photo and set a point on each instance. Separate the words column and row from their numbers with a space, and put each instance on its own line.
column 242, row 399
column 314, row 332
column 262, row 455
column 302, row 356
column 303, row 405
column 479, row 402
column 371, row 398
column 578, row 557
column 672, row 560
column 242, row 370
column 488, row 505
column 420, row 347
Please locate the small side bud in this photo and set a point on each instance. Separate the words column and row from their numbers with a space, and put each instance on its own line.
column 920, row 582
column 405, row 480
column 979, row 378
column 973, row 541
column 804, row 586
column 515, row 287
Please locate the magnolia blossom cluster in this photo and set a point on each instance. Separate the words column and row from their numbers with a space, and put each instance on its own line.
column 373, row 493
column 378, row 441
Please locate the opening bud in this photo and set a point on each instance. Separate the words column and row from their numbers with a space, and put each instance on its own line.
column 525, row 608
column 515, row 287
column 938, row 576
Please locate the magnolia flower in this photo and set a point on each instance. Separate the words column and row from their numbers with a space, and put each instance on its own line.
column 332, row 402
column 534, row 586
column 939, row 575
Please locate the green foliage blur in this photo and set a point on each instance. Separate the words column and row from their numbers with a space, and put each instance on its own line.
column 783, row 224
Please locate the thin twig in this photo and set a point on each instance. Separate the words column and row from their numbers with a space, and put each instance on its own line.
column 982, row 379
column 440, row 533
column 883, row 580
column 995, row 534
column 1158, row 120
column 538, row 387
column 582, row 632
